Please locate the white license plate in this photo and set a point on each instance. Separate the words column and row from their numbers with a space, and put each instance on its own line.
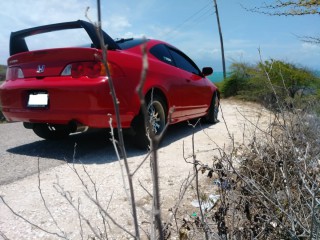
column 38, row 100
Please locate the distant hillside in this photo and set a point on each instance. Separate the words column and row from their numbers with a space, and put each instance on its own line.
column 3, row 70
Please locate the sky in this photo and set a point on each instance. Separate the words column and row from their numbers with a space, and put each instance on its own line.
column 189, row 25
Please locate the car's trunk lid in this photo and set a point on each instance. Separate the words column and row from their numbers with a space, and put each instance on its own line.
column 50, row 62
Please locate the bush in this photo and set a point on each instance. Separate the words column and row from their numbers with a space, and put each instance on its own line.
column 279, row 193
column 273, row 83
column 269, row 186
column 3, row 70
column 237, row 81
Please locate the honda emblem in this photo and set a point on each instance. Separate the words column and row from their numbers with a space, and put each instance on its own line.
column 40, row 68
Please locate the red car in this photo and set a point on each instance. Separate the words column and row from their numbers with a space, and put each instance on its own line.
column 60, row 90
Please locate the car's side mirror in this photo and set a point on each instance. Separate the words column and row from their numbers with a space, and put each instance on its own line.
column 206, row 71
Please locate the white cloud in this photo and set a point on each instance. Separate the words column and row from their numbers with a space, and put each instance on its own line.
column 134, row 35
column 164, row 33
column 30, row 13
column 18, row 15
column 239, row 43
column 237, row 55
column 310, row 47
column 116, row 24
column 207, row 52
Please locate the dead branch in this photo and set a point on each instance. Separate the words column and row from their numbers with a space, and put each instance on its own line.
column 154, row 143
column 121, row 144
column 29, row 222
column 108, row 215
column 67, row 196
column 45, row 203
column 4, row 236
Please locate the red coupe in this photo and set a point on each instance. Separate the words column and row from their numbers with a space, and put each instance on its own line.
column 58, row 90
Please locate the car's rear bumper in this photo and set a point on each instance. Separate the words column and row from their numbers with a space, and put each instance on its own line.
column 85, row 101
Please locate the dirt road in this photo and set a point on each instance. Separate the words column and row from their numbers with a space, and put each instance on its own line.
column 20, row 150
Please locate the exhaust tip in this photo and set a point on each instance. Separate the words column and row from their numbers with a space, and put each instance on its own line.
column 75, row 127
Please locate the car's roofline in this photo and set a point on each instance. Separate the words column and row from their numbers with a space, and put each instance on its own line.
column 18, row 43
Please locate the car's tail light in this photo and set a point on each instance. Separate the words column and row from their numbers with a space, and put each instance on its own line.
column 14, row 73
column 81, row 69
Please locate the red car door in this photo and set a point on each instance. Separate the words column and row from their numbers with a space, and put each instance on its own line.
column 196, row 94
column 168, row 76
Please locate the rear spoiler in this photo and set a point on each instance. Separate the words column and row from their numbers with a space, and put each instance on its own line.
column 18, row 43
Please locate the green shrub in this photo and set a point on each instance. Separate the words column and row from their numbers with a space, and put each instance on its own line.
column 3, row 70
column 273, row 83
column 237, row 81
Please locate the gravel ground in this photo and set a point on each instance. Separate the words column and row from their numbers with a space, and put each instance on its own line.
column 19, row 185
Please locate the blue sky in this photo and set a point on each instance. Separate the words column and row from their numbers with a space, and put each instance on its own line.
column 187, row 24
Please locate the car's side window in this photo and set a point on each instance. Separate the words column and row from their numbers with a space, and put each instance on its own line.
column 183, row 61
column 161, row 52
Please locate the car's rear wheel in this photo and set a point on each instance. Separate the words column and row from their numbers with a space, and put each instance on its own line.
column 157, row 118
column 212, row 116
column 51, row 131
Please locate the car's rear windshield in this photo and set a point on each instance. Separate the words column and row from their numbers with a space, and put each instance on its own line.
column 126, row 43
column 59, row 39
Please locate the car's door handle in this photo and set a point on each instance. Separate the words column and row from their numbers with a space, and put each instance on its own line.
column 188, row 80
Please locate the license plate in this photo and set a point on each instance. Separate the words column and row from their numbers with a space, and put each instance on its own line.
column 39, row 99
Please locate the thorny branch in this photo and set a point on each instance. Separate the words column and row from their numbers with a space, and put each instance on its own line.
column 45, row 203
column 85, row 185
column 4, row 236
column 108, row 215
column 66, row 195
column 121, row 145
column 288, row 8
column 154, row 142
column 29, row 222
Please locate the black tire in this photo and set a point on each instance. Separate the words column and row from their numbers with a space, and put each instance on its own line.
column 51, row 131
column 157, row 117
column 212, row 116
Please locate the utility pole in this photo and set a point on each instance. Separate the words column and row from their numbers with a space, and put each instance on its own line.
column 99, row 11
column 221, row 40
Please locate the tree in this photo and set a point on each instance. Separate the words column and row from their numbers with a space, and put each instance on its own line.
column 291, row 8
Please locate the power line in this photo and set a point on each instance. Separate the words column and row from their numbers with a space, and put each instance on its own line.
column 194, row 18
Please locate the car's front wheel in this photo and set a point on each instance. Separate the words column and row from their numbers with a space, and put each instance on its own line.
column 156, row 118
column 51, row 131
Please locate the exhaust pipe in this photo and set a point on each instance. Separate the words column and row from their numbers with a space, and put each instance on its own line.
column 75, row 127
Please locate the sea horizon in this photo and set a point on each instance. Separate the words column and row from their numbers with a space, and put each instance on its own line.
column 217, row 77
